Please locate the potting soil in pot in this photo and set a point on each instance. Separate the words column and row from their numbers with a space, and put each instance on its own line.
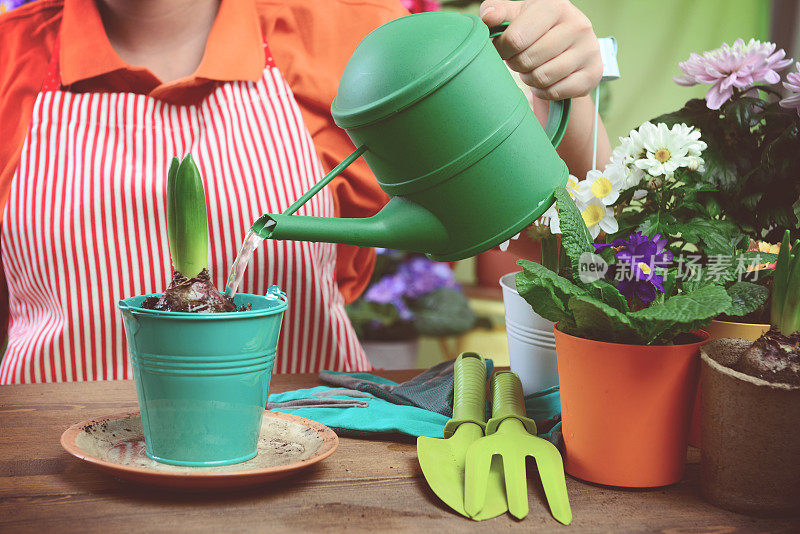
column 192, row 295
column 773, row 357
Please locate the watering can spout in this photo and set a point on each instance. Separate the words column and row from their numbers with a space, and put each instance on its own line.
column 401, row 225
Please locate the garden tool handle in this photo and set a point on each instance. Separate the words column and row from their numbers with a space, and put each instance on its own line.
column 469, row 392
column 558, row 112
column 508, row 402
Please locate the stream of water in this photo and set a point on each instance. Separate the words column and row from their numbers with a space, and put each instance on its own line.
column 250, row 244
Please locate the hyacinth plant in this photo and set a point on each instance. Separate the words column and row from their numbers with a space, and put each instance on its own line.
column 640, row 299
column 190, row 289
column 410, row 295
column 775, row 356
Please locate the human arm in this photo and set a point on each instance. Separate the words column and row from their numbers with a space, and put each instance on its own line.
column 553, row 48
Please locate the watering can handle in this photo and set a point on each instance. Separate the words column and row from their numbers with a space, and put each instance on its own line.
column 557, row 115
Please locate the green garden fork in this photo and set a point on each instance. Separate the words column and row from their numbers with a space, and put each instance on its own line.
column 512, row 435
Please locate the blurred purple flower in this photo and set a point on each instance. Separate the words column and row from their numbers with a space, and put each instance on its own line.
column 389, row 290
column 8, row 5
column 415, row 277
column 638, row 259
column 423, row 276
column 792, row 83
column 733, row 67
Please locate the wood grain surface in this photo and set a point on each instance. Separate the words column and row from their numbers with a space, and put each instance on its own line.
column 366, row 485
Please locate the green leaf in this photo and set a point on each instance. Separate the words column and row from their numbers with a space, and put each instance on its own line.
column 546, row 292
column 660, row 323
column 746, row 297
column 796, row 210
column 172, row 174
column 609, row 294
column 364, row 313
column 717, row 235
column 187, row 220
column 790, row 313
column 596, row 320
column 443, row 312
column 575, row 237
column 780, row 279
column 723, row 270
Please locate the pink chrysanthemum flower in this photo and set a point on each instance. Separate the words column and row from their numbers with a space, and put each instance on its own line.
column 733, row 67
column 792, row 83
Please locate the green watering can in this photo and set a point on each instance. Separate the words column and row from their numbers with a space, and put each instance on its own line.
column 448, row 134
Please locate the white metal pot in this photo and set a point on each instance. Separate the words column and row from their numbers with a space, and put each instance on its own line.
column 392, row 354
column 531, row 343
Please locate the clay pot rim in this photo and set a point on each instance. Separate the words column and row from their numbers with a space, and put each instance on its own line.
column 705, row 337
column 754, row 380
column 741, row 324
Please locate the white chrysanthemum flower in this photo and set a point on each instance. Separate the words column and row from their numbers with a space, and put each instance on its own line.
column 602, row 185
column 629, row 150
column 572, row 186
column 666, row 149
column 597, row 217
column 691, row 135
column 550, row 217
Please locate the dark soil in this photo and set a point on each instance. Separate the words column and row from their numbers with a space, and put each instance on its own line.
column 773, row 357
column 192, row 295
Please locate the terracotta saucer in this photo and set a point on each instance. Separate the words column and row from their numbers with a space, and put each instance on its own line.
column 116, row 444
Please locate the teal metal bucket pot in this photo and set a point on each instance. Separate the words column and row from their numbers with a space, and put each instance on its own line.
column 202, row 378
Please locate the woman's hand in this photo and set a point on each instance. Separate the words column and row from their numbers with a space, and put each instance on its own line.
column 550, row 43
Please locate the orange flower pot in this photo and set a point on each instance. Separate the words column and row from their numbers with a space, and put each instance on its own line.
column 625, row 409
column 718, row 330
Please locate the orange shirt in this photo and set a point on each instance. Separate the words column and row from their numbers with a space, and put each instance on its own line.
column 310, row 40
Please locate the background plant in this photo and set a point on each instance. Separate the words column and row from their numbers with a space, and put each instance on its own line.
column 753, row 154
column 714, row 172
column 410, row 295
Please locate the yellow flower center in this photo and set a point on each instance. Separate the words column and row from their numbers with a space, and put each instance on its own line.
column 572, row 188
column 645, row 268
column 602, row 187
column 662, row 155
column 592, row 215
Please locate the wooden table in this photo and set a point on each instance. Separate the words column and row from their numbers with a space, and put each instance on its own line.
column 365, row 486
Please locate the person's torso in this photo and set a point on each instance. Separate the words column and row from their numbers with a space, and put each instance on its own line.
column 85, row 223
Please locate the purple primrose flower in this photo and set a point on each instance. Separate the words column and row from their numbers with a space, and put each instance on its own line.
column 639, row 259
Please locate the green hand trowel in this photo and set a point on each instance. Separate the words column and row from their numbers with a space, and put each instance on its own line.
column 442, row 460
column 512, row 435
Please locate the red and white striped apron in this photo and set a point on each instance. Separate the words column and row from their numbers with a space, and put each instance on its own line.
column 85, row 223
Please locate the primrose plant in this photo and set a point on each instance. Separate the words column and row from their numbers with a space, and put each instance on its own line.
column 629, row 291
